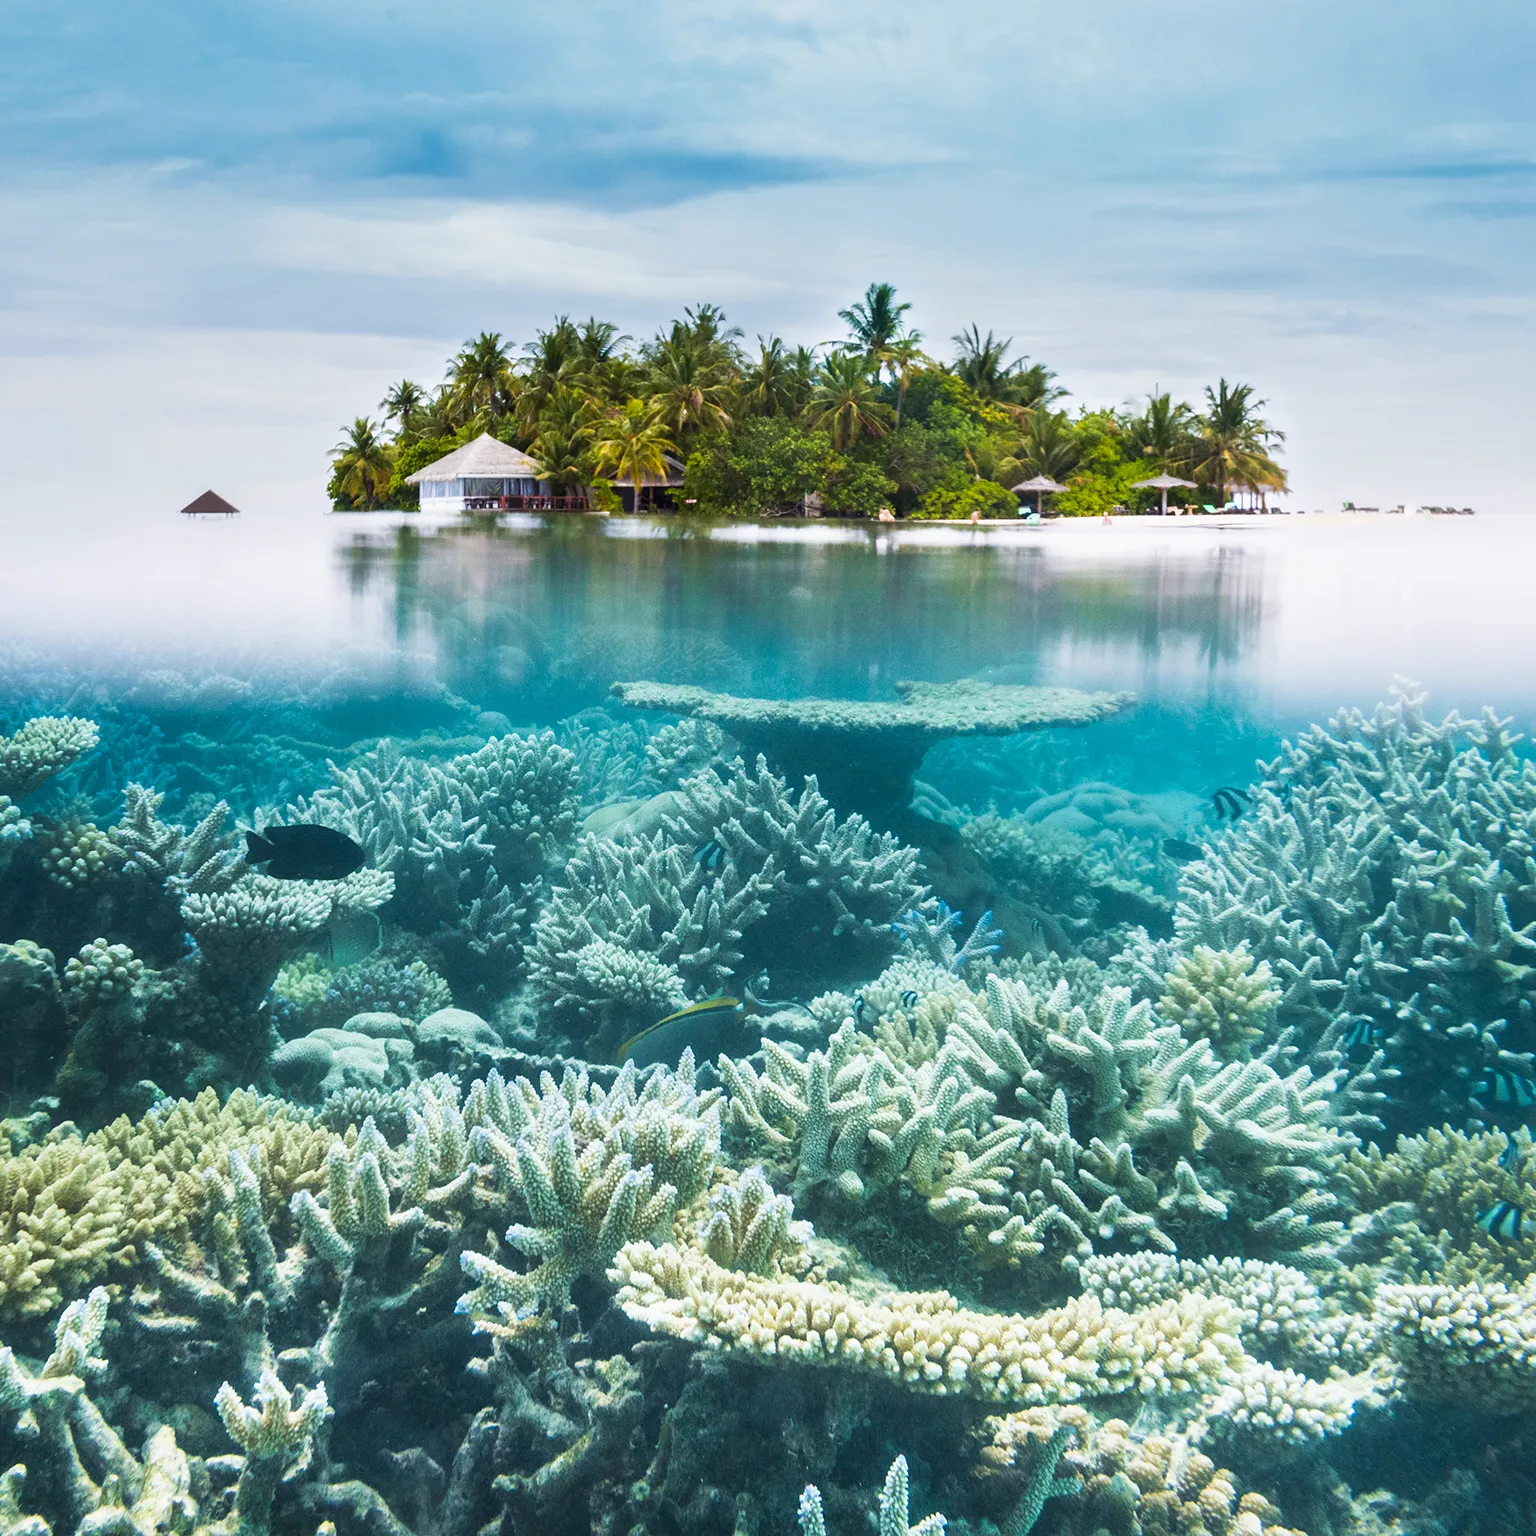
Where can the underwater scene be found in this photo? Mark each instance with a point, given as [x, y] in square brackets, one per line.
[708, 1031]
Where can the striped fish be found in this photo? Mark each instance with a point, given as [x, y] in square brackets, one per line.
[1510, 1156]
[1503, 1222]
[1361, 1036]
[710, 857]
[859, 1007]
[708, 1027]
[909, 999]
[1501, 1086]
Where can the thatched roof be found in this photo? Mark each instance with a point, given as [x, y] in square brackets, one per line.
[210, 501]
[487, 458]
[1038, 483]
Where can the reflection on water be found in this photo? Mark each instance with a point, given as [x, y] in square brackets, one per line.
[538, 621]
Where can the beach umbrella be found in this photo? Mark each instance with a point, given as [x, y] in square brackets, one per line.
[1163, 483]
[1039, 485]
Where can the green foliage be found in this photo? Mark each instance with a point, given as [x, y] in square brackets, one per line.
[427, 450]
[986, 497]
[1100, 488]
[767, 465]
[857, 487]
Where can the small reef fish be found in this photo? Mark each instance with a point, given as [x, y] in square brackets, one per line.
[711, 857]
[1180, 851]
[1504, 1087]
[709, 1027]
[1510, 1156]
[351, 938]
[1362, 1035]
[304, 852]
[859, 1007]
[1504, 1222]
[1230, 803]
[909, 999]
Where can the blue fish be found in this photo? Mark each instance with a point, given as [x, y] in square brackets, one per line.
[1510, 1156]
[708, 1027]
[909, 999]
[711, 857]
[1503, 1222]
[1501, 1086]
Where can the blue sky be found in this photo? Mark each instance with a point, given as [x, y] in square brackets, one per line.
[224, 229]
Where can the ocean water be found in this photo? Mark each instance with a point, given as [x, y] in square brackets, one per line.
[607, 1025]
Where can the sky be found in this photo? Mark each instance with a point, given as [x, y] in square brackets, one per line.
[225, 229]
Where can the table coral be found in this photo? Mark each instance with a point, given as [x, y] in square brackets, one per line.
[864, 754]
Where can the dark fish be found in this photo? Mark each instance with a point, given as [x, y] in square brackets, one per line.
[1180, 851]
[710, 857]
[304, 852]
[909, 999]
[1503, 1222]
[1362, 1035]
[1230, 803]
[1504, 1087]
[859, 1005]
[1510, 1156]
[708, 1027]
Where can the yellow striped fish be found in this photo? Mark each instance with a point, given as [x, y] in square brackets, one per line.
[709, 1027]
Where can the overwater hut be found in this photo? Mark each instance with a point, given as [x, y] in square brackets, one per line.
[488, 475]
[210, 504]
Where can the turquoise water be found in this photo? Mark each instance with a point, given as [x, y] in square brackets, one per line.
[592, 1109]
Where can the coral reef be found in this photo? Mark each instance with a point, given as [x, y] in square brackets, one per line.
[865, 755]
[1383, 877]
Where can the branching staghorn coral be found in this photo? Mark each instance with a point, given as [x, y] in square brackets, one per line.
[635, 927]
[588, 1170]
[893, 1509]
[276, 1432]
[40, 749]
[73, 1210]
[467, 840]
[1387, 877]
[1221, 996]
[1172, 1146]
[204, 859]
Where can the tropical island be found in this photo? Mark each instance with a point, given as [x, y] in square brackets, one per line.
[868, 425]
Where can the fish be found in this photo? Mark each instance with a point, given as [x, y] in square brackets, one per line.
[1230, 802]
[909, 999]
[1510, 1156]
[1180, 851]
[1501, 1086]
[1503, 1222]
[710, 857]
[304, 852]
[708, 1027]
[859, 1007]
[351, 937]
[1362, 1035]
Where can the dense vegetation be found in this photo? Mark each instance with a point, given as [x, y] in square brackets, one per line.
[852, 427]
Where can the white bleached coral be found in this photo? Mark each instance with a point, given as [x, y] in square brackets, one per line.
[40, 749]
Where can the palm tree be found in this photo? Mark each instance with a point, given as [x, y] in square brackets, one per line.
[401, 403]
[996, 458]
[1232, 442]
[688, 384]
[632, 446]
[363, 465]
[904, 356]
[875, 320]
[768, 386]
[984, 365]
[563, 443]
[1049, 446]
[481, 384]
[1163, 432]
[846, 400]
[435, 417]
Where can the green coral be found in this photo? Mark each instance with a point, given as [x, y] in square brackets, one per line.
[1222, 996]
[40, 749]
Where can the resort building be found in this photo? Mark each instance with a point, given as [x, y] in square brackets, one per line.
[488, 475]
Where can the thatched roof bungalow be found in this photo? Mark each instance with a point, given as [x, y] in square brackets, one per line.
[487, 475]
